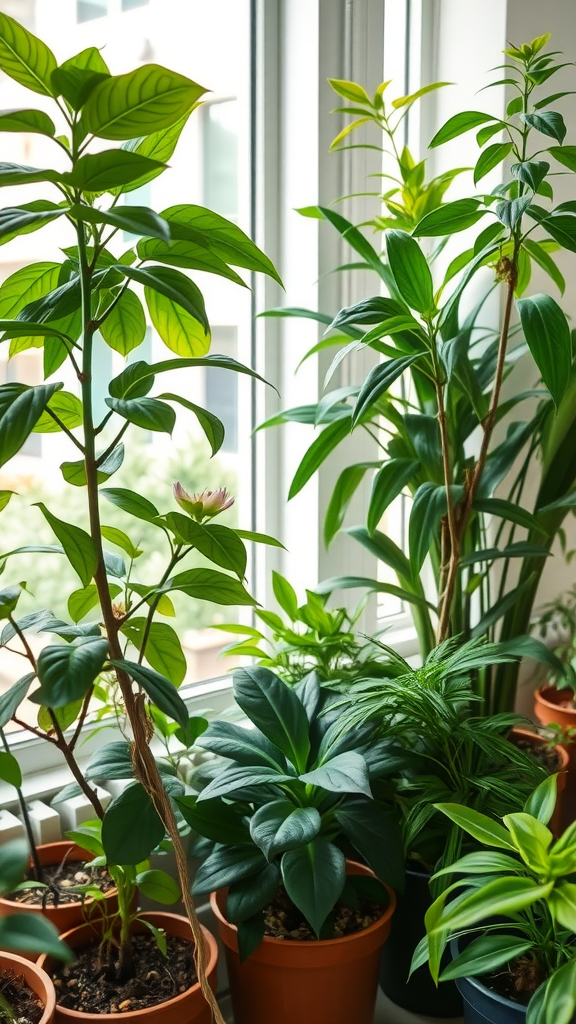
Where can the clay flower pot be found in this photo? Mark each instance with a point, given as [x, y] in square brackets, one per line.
[552, 705]
[188, 1007]
[556, 822]
[66, 915]
[285, 981]
[35, 978]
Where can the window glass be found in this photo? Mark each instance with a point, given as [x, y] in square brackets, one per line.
[210, 167]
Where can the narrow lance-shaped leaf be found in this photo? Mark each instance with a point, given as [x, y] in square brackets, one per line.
[548, 337]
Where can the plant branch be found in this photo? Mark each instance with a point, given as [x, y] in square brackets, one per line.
[64, 428]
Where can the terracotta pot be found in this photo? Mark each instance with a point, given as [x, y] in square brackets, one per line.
[557, 706]
[189, 1007]
[67, 915]
[556, 823]
[35, 978]
[289, 982]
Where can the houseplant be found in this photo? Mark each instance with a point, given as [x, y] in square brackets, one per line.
[309, 638]
[454, 368]
[514, 909]
[61, 306]
[138, 954]
[554, 701]
[293, 793]
[438, 750]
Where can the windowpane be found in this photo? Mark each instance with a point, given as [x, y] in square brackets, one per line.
[88, 10]
[221, 158]
[127, 5]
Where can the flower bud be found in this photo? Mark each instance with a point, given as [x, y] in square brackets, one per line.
[203, 505]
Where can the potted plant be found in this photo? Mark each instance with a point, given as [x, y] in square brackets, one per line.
[467, 510]
[111, 134]
[25, 987]
[554, 702]
[438, 750]
[509, 917]
[311, 638]
[301, 927]
[128, 961]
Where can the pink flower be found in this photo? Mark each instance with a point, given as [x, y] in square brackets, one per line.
[204, 505]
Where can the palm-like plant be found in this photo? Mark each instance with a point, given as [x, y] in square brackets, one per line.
[453, 368]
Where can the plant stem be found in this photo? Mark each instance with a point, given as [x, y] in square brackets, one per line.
[36, 865]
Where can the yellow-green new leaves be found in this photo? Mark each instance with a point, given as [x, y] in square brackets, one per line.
[24, 57]
[139, 103]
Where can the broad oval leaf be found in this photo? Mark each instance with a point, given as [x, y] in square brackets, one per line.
[490, 158]
[143, 101]
[182, 333]
[457, 125]
[314, 877]
[24, 57]
[100, 172]
[548, 122]
[245, 746]
[35, 121]
[226, 866]
[449, 219]
[215, 819]
[275, 709]
[411, 271]
[280, 825]
[160, 690]
[344, 773]
[67, 671]
[19, 416]
[131, 827]
[163, 650]
[147, 413]
[78, 545]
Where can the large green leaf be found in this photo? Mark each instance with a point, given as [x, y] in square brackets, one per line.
[161, 691]
[375, 833]
[485, 955]
[16, 220]
[223, 237]
[11, 700]
[26, 121]
[314, 877]
[274, 708]
[411, 271]
[503, 896]
[490, 158]
[131, 827]
[188, 255]
[124, 329]
[130, 502]
[251, 895]
[163, 650]
[209, 585]
[346, 486]
[230, 780]
[24, 57]
[548, 337]
[100, 172]
[67, 671]
[449, 219]
[218, 543]
[458, 124]
[20, 411]
[479, 826]
[430, 504]
[26, 285]
[211, 425]
[245, 746]
[67, 407]
[507, 510]
[388, 483]
[378, 381]
[226, 866]
[215, 819]
[549, 122]
[76, 78]
[143, 101]
[172, 285]
[129, 383]
[78, 546]
[280, 825]
[32, 934]
[319, 450]
[344, 773]
[542, 802]
[158, 146]
[138, 220]
[147, 413]
[555, 1001]
[181, 332]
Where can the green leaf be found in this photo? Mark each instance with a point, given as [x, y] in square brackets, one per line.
[344, 773]
[507, 510]
[479, 826]
[159, 146]
[490, 158]
[77, 77]
[147, 413]
[121, 540]
[388, 483]
[279, 826]
[10, 701]
[500, 607]
[377, 383]
[163, 649]
[131, 827]
[75, 472]
[285, 595]
[209, 585]
[429, 505]
[376, 835]
[19, 220]
[14, 857]
[548, 337]
[274, 708]
[82, 601]
[10, 769]
[350, 91]
[32, 933]
[172, 285]
[78, 546]
[8, 600]
[344, 490]
[161, 691]
[565, 155]
[319, 451]
[555, 1001]
[131, 380]
[182, 333]
[314, 877]
[35, 121]
[67, 407]
[541, 803]
[449, 219]
[549, 122]
[218, 543]
[503, 896]
[531, 172]
[486, 862]
[65, 716]
[484, 955]
[247, 747]
[252, 895]
[544, 260]
[221, 236]
[143, 101]
[24, 57]
[211, 425]
[188, 255]
[459, 124]
[562, 903]
[216, 820]
[133, 504]
[67, 671]
[227, 865]
[411, 271]
[404, 101]
[137, 220]
[20, 411]
[100, 172]
[158, 886]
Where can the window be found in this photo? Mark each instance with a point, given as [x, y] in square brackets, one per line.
[128, 5]
[220, 166]
[88, 10]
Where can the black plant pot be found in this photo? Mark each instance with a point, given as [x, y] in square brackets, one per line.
[483, 1006]
[419, 994]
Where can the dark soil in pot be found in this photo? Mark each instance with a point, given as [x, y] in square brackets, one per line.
[284, 921]
[27, 1007]
[419, 994]
[91, 986]
[59, 878]
[544, 755]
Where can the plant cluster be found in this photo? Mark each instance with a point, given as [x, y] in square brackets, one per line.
[514, 906]
[453, 368]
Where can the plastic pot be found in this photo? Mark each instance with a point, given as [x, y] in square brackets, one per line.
[35, 978]
[557, 820]
[419, 993]
[188, 1007]
[285, 981]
